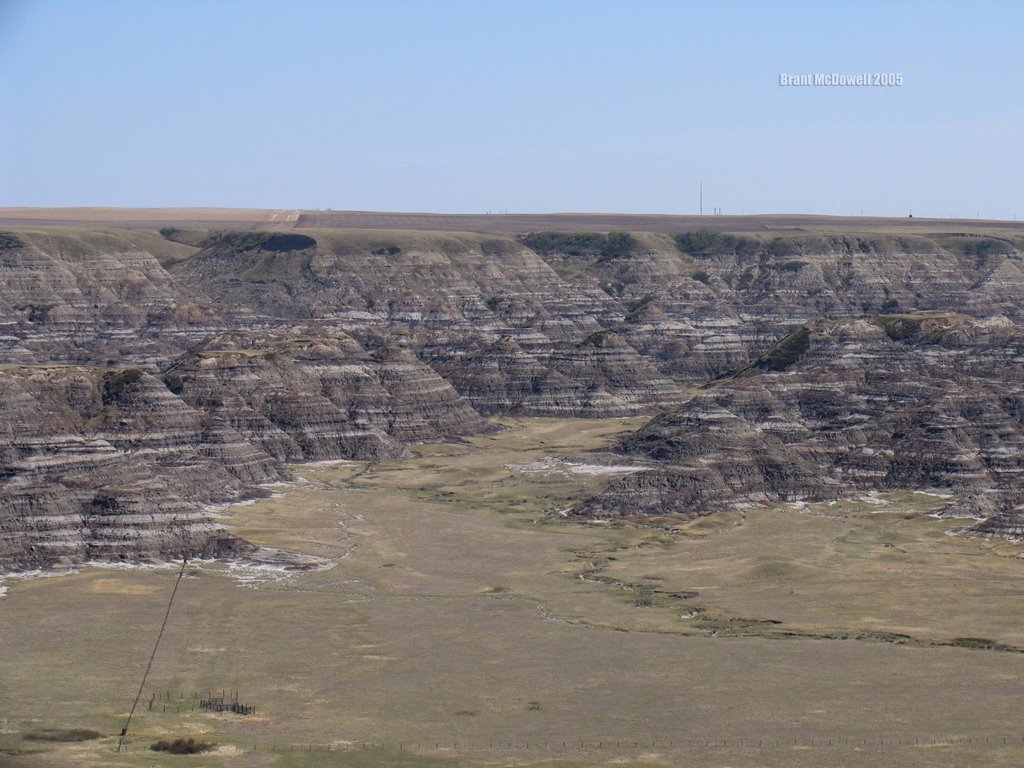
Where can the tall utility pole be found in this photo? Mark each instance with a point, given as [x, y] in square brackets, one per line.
[701, 196]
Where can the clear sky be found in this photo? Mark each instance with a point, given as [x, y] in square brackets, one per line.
[561, 105]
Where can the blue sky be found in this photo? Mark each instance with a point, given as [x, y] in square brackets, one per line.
[518, 106]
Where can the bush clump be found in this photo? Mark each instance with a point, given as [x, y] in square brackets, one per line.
[175, 383]
[618, 244]
[700, 240]
[614, 245]
[569, 243]
[792, 266]
[224, 243]
[115, 382]
[37, 313]
[701, 277]
[187, 746]
[982, 643]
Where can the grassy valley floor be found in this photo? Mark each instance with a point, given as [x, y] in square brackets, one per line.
[466, 622]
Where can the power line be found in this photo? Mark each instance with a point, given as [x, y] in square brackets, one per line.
[142, 685]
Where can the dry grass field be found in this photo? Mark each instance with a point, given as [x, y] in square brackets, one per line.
[242, 218]
[465, 622]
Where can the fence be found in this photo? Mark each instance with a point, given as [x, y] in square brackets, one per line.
[228, 702]
[877, 743]
[225, 701]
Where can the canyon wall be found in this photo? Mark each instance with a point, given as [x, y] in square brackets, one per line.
[147, 374]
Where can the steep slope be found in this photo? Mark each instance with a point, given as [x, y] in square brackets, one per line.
[924, 401]
[320, 395]
[145, 454]
[456, 302]
[148, 374]
[98, 464]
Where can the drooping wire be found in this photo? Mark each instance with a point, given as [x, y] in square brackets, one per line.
[142, 685]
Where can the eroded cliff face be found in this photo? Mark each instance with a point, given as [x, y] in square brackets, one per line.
[99, 463]
[108, 464]
[927, 401]
[91, 298]
[488, 314]
[320, 395]
[145, 375]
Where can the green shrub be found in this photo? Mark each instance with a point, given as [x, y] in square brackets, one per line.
[617, 245]
[899, 328]
[792, 266]
[227, 243]
[569, 243]
[598, 338]
[37, 313]
[187, 746]
[983, 644]
[115, 382]
[982, 248]
[781, 246]
[10, 240]
[700, 240]
[614, 245]
[175, 383]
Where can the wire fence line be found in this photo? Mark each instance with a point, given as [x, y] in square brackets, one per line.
[704, 743]
[174, 701]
